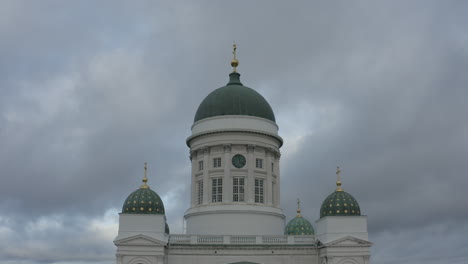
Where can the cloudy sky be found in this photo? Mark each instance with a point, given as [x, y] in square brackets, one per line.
[90, 90]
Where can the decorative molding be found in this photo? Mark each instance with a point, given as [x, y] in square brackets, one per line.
[250, 148]
[148, 241]
[260, 171]
[138, 260]
[206, 150]
[344, 242]
[270, 152]
[276, 137]
[277, 155]
[346, 260]
[227, 148]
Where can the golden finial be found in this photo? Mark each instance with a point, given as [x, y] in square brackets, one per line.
[298, 208]
[234, 61]
[338, 180]
[145, 178]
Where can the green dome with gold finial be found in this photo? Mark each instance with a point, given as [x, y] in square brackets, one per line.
[299, 225]
[143, 201]
[234, 99]
[339, 203]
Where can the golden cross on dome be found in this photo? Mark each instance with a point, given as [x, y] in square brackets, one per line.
[145, 178]
[234, 61]
[338, 179]
[298, 207]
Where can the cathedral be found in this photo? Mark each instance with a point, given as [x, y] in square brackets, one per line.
[235, 216]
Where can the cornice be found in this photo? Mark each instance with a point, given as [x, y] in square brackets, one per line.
[278, 138]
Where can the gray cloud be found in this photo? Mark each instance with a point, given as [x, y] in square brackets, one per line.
[90, 91]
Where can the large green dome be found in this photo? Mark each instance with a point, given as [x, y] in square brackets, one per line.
[299, 226]
[234, 99]
[339, 203]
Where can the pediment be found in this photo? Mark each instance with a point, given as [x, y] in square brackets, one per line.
[139, 240]
[348, 241]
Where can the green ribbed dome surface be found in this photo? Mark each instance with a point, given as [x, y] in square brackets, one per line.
[339, 203]
[234, 99]
[143, 201]
[299, 226]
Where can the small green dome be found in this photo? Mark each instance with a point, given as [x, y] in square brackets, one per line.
[339, 203]
[234, 99]
[299, 226]
[143, 201]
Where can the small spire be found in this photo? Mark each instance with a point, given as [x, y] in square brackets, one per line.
[234, 61]
[298, 208]
[338, 180]
[145, 178]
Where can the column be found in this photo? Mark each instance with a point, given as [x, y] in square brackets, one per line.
[227, 181]
[193, 159]
[250, 181]
[206, 179]
[278, 179]
[268, 184]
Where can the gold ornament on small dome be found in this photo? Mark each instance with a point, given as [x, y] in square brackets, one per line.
[234, 61]
[298, 208]
[145, 178]
[338, 180]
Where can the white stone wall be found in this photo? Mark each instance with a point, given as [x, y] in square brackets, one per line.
[227, 171]
[344, 240]
[331, 228]
[151, 225]
[234, 122]
[224, 137]
[235, 220]
[226, 255]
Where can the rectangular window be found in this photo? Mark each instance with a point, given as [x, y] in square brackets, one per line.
[259, 163]
[238, 189]
[217, 163]
[200, 165]
[272, 167]
[259, 190]
[200, 191]
[217, 190]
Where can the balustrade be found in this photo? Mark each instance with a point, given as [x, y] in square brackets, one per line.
[239, 240]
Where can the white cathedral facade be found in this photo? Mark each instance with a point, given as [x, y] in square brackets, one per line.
[235, 215]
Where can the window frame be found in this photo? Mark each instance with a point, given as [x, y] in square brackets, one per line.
[238, 189]
[200, 191]
[217, 162]
[259, 163]
[259, 190]
[216, 190]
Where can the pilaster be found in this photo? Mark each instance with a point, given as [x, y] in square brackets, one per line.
[268, 182]
[206, 166]
[250, 174]
[227, 184]
[193, 191]
[278, 180]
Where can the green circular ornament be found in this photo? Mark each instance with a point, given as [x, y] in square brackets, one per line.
[238, 161]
